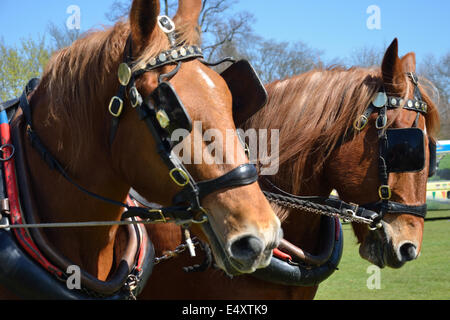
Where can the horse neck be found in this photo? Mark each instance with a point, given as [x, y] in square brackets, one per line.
[59, 201]
[301, 227]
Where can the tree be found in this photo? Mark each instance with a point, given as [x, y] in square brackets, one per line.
[19, 64]
[218, 24]
[367, 56]
[437, 70]
[62, 37]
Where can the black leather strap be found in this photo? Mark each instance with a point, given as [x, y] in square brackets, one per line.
[396, 207]
[9, 104]
[243, 175]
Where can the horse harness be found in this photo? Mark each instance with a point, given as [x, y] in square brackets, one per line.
[400, 150]
[163, 112]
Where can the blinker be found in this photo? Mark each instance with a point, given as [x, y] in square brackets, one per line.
[248, 92]
[405, 150]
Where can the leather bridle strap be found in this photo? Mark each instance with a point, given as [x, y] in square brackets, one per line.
[240, 176]
[382, 102]
[175, 213]
[396, 207]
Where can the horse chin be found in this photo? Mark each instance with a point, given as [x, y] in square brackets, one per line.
[222, 260]
[378, 249]
[372, 249]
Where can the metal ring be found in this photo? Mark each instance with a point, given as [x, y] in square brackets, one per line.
[119, 110]
[200, 216]
[182, 173]
[13, 151]
[357, 124]
[381, 193]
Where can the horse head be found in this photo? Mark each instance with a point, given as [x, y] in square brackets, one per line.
[390, 161]
[242, 227]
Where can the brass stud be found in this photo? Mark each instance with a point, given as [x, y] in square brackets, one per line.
[162, 57]
[163, 119]
[380, 100]
[174, 54]
[124, 74]
[152, 62]
[183, 52]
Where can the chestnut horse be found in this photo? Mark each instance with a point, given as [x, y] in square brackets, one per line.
[313, 111]
[71, 118]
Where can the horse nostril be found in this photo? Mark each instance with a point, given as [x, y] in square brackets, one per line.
[246, 249]
[408, 251]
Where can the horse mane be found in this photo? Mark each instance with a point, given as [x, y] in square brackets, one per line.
[76, 76]
[314, 110]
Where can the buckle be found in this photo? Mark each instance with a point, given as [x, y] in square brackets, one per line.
[413, 77]
[166, 24]
[381, 122]
[158, 211]
[360, 123]
[200, 216]
[182, 173]
[135, 97]
[384, 192]
[119, 107]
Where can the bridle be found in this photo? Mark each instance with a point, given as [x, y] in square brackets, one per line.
[381, 103]
[371, 213]
[162, 111]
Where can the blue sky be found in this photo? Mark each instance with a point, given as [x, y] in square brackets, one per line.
[335, 27]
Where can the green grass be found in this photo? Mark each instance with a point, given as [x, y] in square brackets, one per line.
[426, 278]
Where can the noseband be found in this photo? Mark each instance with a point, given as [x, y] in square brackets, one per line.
[162, 112]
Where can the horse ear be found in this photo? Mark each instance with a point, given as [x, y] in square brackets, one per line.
[391, 69]
[143, 19]
[188, 12]
[409, 62]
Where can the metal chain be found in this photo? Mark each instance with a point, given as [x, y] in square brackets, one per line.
[174, 253]
[312, 207]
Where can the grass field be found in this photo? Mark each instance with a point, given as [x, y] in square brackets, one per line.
[426, 278]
